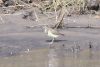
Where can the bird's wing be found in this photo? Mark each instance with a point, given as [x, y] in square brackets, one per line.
[55, 32]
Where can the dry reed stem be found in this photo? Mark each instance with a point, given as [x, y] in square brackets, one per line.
[60, 16]
[35, 15]
[1, 19]
[57, 24]
[55, 7]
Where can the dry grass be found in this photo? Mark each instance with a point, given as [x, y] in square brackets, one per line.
[60, 7]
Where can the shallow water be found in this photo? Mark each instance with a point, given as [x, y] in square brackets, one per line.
[52, 57]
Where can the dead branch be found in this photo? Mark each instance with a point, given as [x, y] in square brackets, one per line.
[60, 16]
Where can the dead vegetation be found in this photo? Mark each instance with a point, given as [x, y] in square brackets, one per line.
[1, 1]
[60, 7]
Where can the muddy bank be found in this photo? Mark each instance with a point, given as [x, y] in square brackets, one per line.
[28, 47]
[15, 36]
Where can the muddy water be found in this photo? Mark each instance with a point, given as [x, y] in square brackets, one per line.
[52, 57]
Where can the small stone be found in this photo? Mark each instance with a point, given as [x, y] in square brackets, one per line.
[74, 21]
[68, 15]
[63, 45]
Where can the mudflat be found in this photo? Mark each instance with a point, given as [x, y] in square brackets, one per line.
[16, 40]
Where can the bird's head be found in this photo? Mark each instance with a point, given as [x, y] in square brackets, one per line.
[46, 28]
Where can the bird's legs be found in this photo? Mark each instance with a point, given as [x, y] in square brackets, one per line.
[52, 41]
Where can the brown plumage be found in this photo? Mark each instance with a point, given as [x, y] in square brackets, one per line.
[52, 33]
[55, 32]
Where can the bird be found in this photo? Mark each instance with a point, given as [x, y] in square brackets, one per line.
[52, 33]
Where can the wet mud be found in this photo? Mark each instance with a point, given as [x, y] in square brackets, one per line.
[29, 47]
[52, 57]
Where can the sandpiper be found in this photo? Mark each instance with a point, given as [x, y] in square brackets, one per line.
[52, 33]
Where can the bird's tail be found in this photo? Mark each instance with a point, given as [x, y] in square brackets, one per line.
[63, 34]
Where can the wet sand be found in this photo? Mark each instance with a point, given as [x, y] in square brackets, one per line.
[29, 47]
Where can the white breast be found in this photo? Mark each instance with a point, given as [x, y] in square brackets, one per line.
[52, 35]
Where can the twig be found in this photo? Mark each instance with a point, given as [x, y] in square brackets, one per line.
[63, 13]
[35, 14]
[1, 19]
[60, 21]
[55, 7]
[59, 16]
